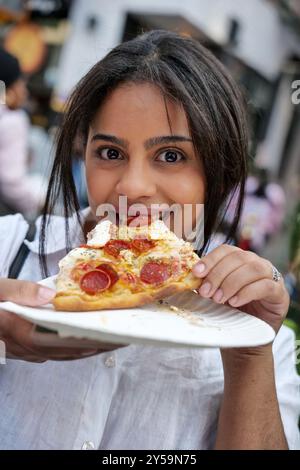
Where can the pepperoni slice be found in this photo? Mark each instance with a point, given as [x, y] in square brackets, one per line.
[155, 273]
[141, 245]
[108, 269]
[95, 281]
[113, 247]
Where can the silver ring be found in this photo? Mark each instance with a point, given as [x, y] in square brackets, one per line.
[276, 274]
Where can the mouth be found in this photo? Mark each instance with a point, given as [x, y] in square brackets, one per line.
[144, 218]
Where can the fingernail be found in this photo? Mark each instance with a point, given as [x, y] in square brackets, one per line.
[233, 301]
[45, 294]
[199, 269]
[204, 290]
[218, 295]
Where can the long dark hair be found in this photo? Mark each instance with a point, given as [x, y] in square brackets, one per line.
[186, 72]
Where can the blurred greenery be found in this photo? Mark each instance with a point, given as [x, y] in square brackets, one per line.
[295, 244]
[293, 320]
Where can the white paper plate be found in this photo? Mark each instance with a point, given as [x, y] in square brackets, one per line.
[197, 323]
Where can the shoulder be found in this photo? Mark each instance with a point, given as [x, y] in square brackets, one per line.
[13, 229]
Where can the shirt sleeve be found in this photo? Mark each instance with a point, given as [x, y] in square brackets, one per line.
[16, 185]
[13, 229]
[287, 384]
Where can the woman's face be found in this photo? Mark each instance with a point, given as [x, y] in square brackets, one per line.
[136, 149]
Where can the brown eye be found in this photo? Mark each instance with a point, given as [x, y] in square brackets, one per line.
[109, 154]
[170, 156]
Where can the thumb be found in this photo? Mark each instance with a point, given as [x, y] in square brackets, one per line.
[25, 292]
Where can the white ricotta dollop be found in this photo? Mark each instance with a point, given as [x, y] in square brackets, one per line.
[101, 234]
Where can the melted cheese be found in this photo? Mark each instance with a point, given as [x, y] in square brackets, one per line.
[128, 256]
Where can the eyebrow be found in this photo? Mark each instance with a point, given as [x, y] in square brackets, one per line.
[149, 143]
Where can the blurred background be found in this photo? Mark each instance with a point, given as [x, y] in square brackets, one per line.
[57, 41]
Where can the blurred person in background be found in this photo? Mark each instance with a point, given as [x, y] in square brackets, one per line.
[19, 190]
[263, 212]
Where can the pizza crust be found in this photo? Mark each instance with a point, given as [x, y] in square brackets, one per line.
[81, 302]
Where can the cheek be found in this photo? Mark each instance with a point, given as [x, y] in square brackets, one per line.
[188, 189]
[99, 186]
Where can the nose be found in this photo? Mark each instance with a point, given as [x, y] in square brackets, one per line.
[136, 182]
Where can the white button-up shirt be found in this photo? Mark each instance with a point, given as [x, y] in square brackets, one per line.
[137, 397]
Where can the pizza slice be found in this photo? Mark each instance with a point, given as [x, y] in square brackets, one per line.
[123, 266]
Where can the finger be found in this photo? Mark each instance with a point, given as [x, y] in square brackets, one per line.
[54, 340]
[257, 291]
[62, 354]
[203, 267]
[17, 332]
[24, 292]
[15, 351]
[75, 353]
[28, 358]
[69, 358]
[246, 274]
[22, 333]
[221, 270]
[70, 355]
[16, 329]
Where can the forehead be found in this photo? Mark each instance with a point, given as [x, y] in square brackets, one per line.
[140, 110]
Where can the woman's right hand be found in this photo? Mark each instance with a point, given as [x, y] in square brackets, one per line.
[19, 336]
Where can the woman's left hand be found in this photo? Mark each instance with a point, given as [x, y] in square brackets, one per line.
[243, 280]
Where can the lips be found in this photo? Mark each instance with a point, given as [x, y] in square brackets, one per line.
[144, 218]
[148, 217]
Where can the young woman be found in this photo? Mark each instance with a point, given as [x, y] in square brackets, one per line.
[162, 123]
